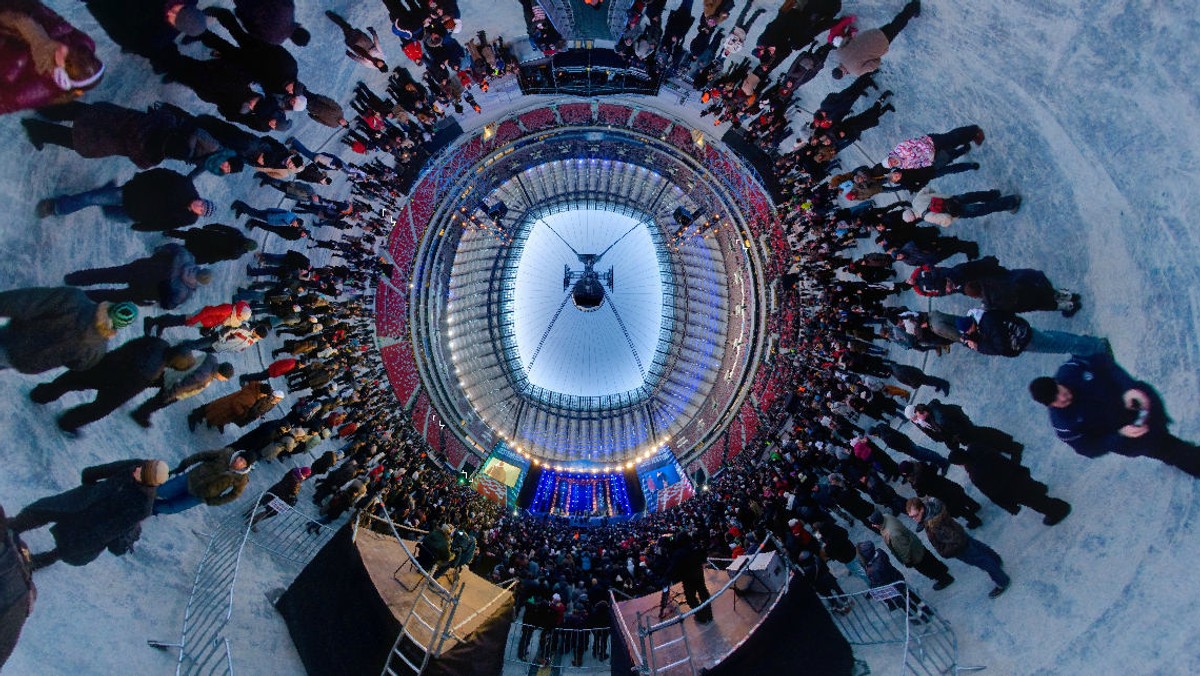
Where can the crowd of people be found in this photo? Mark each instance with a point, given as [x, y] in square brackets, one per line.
[824, 484]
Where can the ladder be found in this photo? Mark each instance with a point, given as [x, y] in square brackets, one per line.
[648, 635]
[424, 629]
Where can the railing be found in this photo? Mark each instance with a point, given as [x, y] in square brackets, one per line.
[649, 663]
[427, 626]
[533, 645]
[869, 617]
[618, 17]
[270, 524]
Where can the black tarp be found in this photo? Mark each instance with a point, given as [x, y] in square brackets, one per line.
[340, 623]
[798, 637]
[337, 619]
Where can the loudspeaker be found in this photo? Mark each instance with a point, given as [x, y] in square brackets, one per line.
[764, 573]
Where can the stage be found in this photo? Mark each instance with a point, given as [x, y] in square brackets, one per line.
[345, 609]
[769, 632]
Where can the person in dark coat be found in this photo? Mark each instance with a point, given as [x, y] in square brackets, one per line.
[214, 242]
[898, 441]
[994, 332]
[881, 573]
[326, 111]
[687, 566]
[286, 489]
[950, 424]
[1008, 483]
[229, 87]
[908, 550]
[1096, 407]
[951, 541]
[169, 277]
[145, 137]
[915, 377]
[434, 548]
[148, 28]
[271, 21]
[339, 476]
[180, 385]
[117, 378]
[1021, 290]
[59, 326]
[270, 65]
[102, 130]
[105, 512]
[158, 199]
[17, 591]
[926, 482]
[326, 462]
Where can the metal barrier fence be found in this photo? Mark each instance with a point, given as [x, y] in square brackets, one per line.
[271, 524]
[537, 646]
[872, 617]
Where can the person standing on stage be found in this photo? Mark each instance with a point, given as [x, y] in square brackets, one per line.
[687, 566]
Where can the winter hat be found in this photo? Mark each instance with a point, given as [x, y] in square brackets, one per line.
[964, 324]
[908, 215]
[866, 549]
[154, 473]
[910, 411]
[122, 314]
[876, 518]
[302, 472]
[556, 597]
[793, 522]
[207, 208]
[241, 310]
[278, 394]
[299, 102]
[837, 42]
[358, 147]
[190, 21]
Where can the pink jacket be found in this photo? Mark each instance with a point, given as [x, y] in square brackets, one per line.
[914, 153]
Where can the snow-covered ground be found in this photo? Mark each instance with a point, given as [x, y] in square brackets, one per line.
[1091, 111]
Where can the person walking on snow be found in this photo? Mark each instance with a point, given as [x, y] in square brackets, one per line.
[180, 385]
[859, 53]
[213, 478]
[50, 328]
[934, 150]
[209, 318]
[168, 277]
[117, 378]
[105, 512]
[158, 199]
[936, 209]
[1096, 407]
[952, 541]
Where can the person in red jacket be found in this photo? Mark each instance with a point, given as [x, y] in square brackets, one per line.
[276, 369]
[210, 318]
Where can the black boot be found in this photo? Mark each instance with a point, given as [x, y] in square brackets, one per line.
[44, 559]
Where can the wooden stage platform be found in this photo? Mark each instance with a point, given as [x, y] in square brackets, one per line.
[345, 610]
[736, 616]
[766, 632]
[382, 555]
